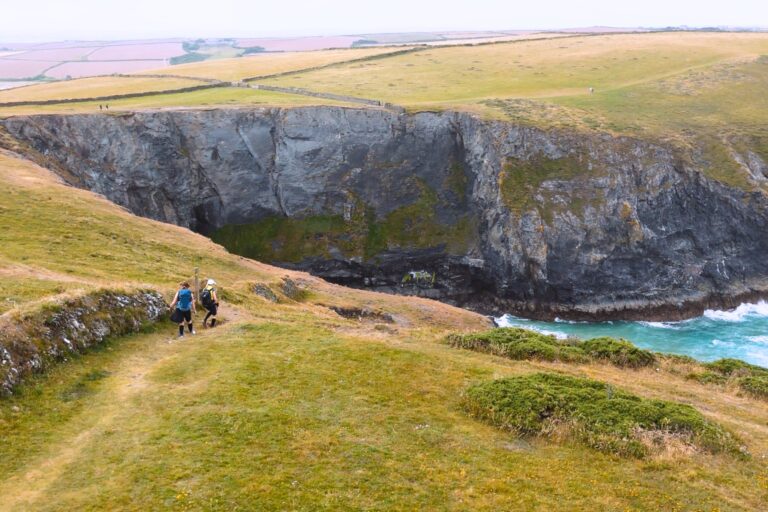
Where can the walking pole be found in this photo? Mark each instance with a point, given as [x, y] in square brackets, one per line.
[197, 284]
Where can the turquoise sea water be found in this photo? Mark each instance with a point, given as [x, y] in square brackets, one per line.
[741, 333]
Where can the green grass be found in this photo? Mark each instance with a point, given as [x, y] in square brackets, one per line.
[220, 96]
[18, 289]
[596, 414]
[520, 344]
[533, 69]
[297, 416]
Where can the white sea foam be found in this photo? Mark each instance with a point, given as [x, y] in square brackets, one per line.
[721, 343]
[559, 320]
[660, 325]
[511, 321]
[759, 357]
[763, 340]
[738, 314]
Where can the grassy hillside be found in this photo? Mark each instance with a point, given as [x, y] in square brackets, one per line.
[290, 405]
[550, 68]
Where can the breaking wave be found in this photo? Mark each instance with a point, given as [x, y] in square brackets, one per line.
[740, 333]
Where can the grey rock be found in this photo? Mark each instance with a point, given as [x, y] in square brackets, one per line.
[639, 232]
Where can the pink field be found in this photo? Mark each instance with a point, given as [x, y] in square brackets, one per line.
[81, 69]
[21, 68]
[53, 55]
[138, 52]
[299, 43]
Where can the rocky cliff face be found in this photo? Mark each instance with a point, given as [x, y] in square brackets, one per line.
[499, 217]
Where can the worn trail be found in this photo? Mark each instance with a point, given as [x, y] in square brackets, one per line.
[103, 413]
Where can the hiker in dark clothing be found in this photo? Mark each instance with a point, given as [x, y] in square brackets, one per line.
[210, 301]
[184, 301]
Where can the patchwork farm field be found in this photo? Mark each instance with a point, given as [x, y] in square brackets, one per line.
[271, 63]
[92, 87]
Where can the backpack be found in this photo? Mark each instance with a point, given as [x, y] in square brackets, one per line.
[205, 297]
[185, 300]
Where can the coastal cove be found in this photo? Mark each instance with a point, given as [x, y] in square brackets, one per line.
[741, 333]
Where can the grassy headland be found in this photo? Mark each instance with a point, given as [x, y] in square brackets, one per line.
[289, 404]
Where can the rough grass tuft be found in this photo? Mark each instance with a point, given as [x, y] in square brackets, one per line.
[596, 414]
[517, 343]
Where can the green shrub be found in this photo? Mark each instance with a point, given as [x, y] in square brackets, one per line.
[619, 352]
[735, 367]
[755, 385]
[517, 343]
[708, 378]
[594, 413]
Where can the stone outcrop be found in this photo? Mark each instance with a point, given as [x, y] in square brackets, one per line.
[35, 340]
[489, 215]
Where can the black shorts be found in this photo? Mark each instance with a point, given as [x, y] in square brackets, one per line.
[212, 308]
[183, 315]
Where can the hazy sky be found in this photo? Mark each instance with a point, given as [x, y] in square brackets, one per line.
[45, 20]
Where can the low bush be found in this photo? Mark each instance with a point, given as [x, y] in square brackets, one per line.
[596, 414]
[516, 343]
[708, 378]
[749, 378]
[735, 367]
[618, 352]
[756, 386]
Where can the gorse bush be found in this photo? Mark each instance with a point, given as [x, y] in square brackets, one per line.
[749, 378]
[618, 352]
[734, 367]
[596, 414]
[516, 343]
[755, 385]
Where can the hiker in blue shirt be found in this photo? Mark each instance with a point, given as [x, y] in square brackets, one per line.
[184, 301]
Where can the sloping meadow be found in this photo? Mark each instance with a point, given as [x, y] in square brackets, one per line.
[567, 408]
